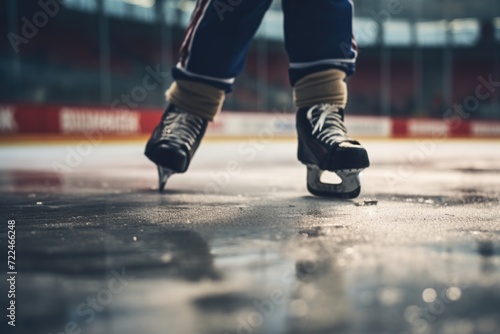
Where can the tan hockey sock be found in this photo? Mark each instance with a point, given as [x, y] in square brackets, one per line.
[321, 87]
[196, 98]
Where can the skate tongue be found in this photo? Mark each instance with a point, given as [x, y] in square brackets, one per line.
[319, 114]
[329, 108]
[327, 123]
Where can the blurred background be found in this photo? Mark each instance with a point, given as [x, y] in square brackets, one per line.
[417, 58]
[418, 252]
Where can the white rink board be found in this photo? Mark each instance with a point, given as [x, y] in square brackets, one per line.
[283, 125]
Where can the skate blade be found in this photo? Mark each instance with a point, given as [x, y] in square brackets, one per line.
[164, 174]
[349, 187]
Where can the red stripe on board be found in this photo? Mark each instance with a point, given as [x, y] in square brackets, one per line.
[460, 129]
[26, 118]
[399, 128]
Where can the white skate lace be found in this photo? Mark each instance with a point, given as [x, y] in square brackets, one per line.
[329, 115]
[181, 128]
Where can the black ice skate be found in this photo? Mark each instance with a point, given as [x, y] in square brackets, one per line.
[324, 145]
[174, 142]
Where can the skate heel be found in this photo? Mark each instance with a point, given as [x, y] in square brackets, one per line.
[305, 155]
[350, 187]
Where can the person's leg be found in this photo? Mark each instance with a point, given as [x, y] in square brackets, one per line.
[212, 55]
[319, 40]
[322, 52]
[319, 36]
[217, 40]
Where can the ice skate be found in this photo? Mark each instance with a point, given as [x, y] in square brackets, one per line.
[325, 146]
[174, 142]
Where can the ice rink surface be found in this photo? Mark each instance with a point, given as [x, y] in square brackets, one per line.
[237, 245]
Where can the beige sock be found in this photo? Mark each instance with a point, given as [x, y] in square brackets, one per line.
[321, 87]
[196, 98]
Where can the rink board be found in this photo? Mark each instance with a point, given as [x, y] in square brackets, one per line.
[75, 120]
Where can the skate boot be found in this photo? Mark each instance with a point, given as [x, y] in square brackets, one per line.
[324, 145]
[174, 142]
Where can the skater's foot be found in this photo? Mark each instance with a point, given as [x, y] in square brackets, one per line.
[323, 140]
[174, 142]
[324, 145]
